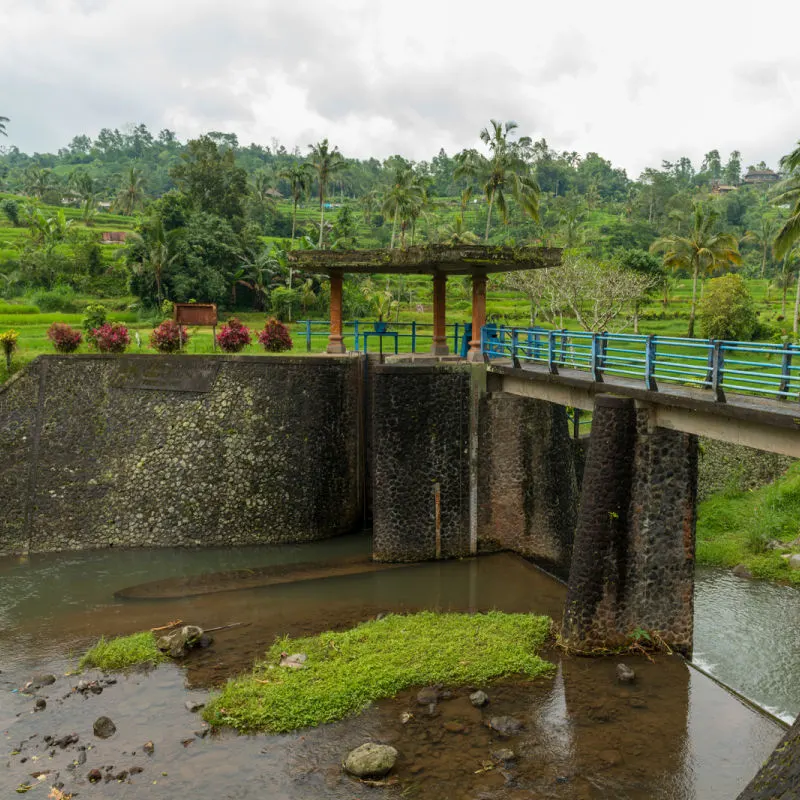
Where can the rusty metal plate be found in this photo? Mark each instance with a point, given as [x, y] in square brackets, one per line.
[195, 313]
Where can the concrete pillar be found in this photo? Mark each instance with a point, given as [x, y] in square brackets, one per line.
[335, 338]
[439, 344]
[633, 553]
[478, 317]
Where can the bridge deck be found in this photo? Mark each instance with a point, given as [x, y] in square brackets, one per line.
[759, 422]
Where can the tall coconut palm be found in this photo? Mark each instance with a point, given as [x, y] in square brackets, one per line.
[326, 162]
[702, 251]
[299, 178]
[763, 235]
[131, 193]
[38, 181]
[504, 172]
[402, 198]
[3, 121]
[788, 193]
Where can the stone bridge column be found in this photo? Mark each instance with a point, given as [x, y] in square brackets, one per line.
[633, 555]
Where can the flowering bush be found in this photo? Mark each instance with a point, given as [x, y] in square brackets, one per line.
[169, 337]
[275, 336]
[64, 338]
[111, 337]
[8, 344]
[233, 336]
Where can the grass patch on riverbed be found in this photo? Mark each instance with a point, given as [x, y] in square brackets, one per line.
[123, 652]
[345, 672]
[736, 528]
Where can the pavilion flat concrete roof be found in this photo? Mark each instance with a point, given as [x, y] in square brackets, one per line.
[429, 260]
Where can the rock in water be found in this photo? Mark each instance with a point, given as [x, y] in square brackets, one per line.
[149, 748]
[479, 698]
[506, 726]
[43, 679]
[428, 695]
[625, 674]
[371, 760]
[194, 706]
[104, 728]
[741, 571]
[504, 754]
[178, 642]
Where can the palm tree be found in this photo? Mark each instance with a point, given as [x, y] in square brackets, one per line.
[38, 181]
[368, 203]
[326, 163]
[763, 236]
[130, 195]
[154, 249]
[702, 251]
[402, 199]
[3, 121]
[504, 171]
[788, 193]
[456, 233]
[299, 179]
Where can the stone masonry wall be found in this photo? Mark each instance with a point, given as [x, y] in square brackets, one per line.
[216, 451]
[527, 485]
[420, 441]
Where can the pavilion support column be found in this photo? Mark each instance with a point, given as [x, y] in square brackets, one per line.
[335, 339]
[439, 345]
[478, 317]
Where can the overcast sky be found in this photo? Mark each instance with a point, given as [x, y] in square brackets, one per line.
[637, 82]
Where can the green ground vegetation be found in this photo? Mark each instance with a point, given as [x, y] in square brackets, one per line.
[735, 527]
[123, 652]
[347, 671]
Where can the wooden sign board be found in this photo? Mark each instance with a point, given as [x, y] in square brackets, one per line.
[195, 314]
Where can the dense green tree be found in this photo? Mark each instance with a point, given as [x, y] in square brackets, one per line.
[326, 162]
[701, 251]
[153, 250]
[733, 169]
[298, 177]
[727, 310]
[401, 198]
[212, 181]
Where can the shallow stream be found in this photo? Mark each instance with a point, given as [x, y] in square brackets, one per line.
[673, 734]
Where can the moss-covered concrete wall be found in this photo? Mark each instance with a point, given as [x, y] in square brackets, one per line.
[126, 451]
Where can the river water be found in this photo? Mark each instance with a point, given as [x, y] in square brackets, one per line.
[674, 734]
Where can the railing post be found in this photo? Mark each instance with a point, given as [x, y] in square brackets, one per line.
[413, 336]
[456, 343]
[563, 346]
[484, 346]
[551, 355]
[576, 423]
[308, 335]
[717, 366]
[355, 333]
[514, 345]
[786, 364]
[650, 364]
[596, 357]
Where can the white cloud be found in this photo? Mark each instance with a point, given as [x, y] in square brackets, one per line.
[636, 82]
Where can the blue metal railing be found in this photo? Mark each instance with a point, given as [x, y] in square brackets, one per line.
[413, 336]
[753, 368]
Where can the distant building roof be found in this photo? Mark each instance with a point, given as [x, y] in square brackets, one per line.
[761, 176]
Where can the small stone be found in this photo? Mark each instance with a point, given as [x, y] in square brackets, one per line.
[611, 757]
[194, 706]
[454, 726]
[479, 698]
[136, 770]
[201, 733]
[43, 679]
[741, 571]
[294, 661]
[121, 776]
[506, 726]
[428, 695]
[104, 728]
[625, 674]
[94, 776]
[794, 562]
[149, 748]
[504, 755]
[371, 760]
[40, 704]
[406, 717]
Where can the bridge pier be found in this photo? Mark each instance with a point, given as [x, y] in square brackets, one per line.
[633, 554]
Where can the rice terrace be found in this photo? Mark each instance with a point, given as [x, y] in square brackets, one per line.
[443, 456]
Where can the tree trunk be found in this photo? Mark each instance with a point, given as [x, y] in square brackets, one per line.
[489, 217]
[665, 301]
[394, 226]
[294, 219]
[763, 260]
[694, 302]
[783, 301]
[796, 307]
[636, 318]
[321, 215]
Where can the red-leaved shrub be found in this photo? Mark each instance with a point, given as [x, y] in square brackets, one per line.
[111, 337]
[275, 336]
[233, 336]
[169, 337]
[64, 338]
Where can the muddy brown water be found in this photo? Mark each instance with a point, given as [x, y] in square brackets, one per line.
[673, 734]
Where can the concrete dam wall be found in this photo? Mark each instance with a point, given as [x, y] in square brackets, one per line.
[100, 451]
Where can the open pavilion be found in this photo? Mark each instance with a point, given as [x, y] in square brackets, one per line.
[438, 261]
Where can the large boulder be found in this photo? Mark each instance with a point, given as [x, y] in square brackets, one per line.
[371, 760]
[177, 643]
